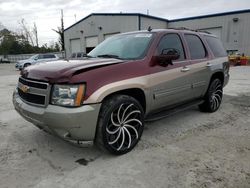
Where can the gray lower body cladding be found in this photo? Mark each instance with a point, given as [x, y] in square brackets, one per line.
[77, 124]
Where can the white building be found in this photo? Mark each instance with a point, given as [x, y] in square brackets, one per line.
[84, 35]
[232, 27]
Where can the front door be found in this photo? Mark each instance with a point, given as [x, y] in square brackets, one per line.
[170, 85]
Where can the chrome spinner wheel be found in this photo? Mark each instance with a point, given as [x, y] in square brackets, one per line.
[124, 127]
[215, 94]
[213, 97]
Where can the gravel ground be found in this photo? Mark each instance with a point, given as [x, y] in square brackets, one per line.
[189, 149]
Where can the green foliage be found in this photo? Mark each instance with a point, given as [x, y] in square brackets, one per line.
[12, 43]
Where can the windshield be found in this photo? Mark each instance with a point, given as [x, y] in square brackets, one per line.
[129, 46]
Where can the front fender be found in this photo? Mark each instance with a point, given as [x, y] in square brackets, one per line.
[104, 91]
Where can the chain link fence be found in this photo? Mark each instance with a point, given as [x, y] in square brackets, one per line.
[13, 58]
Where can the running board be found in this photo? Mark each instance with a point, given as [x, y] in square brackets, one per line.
[169, 112]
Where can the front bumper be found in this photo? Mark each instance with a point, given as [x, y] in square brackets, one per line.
[73, 124]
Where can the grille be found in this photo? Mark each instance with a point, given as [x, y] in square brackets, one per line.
[36, 99]
[37, 93]
[33, 84]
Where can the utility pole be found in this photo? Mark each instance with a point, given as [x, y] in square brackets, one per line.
[62, 30]
[35, 33]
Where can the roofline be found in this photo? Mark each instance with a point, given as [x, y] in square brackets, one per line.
[117, 14]
[211, 15]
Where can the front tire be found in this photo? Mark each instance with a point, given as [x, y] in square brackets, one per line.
[26, 65]
[120, 124]
[213, 97]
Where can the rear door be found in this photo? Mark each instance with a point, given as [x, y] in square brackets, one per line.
[199, 68]
[170, 85]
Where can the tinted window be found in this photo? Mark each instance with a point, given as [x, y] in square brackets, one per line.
[48, 56]
[216, 46]
[171, 41]
[196, 47]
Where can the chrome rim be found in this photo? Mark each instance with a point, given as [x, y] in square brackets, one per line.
[216, 95]
[125, 127]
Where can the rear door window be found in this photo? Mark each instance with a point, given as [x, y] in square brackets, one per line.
[172, 40]
[196, 47]
[48, 56]
[40, 56]
[216, 46]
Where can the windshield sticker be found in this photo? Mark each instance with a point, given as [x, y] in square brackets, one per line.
[144, 35]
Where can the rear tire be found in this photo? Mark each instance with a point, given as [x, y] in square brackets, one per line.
[120, 124]
[213, 97]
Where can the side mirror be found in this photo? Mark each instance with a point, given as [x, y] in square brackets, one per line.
[167, 56]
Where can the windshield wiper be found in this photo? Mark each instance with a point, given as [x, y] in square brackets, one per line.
[109, 56]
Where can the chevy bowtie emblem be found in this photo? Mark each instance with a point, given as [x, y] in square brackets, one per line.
[25, 88]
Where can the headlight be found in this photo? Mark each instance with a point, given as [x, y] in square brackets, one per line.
[68, 95]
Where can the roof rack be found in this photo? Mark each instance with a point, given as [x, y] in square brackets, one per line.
[184, 28]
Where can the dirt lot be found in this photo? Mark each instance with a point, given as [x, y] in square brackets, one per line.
[190, 149]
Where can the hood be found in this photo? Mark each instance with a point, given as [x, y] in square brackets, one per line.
[23, 61]
[63, 70]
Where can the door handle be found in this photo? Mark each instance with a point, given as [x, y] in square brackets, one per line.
[208, 64]
[185, 69]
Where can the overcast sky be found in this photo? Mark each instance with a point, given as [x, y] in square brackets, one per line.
[46, 13]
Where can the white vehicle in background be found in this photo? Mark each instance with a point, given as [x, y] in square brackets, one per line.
[78, 55]
[39, 58]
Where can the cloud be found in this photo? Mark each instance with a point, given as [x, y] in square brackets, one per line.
[46, 13]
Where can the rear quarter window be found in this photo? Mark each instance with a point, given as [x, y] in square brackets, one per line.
[216, 46]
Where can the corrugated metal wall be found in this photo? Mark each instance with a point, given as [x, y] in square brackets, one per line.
[234, 34]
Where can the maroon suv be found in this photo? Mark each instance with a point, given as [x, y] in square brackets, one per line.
[125, 80]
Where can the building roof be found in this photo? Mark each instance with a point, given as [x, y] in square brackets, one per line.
[117, 14]
[211, 15]
[161, 19]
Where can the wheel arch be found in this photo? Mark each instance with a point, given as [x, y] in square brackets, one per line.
[136, 93]
[218, 74]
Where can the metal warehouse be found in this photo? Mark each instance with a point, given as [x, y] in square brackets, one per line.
[232, 28]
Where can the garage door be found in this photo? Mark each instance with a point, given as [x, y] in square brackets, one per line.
[215, 31]
[91, 42]
[75, 45]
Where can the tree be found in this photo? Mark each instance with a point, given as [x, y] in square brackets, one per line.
[30, 35]
[13, 43]
[60, 32]
[24, 41]
[26, 32]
